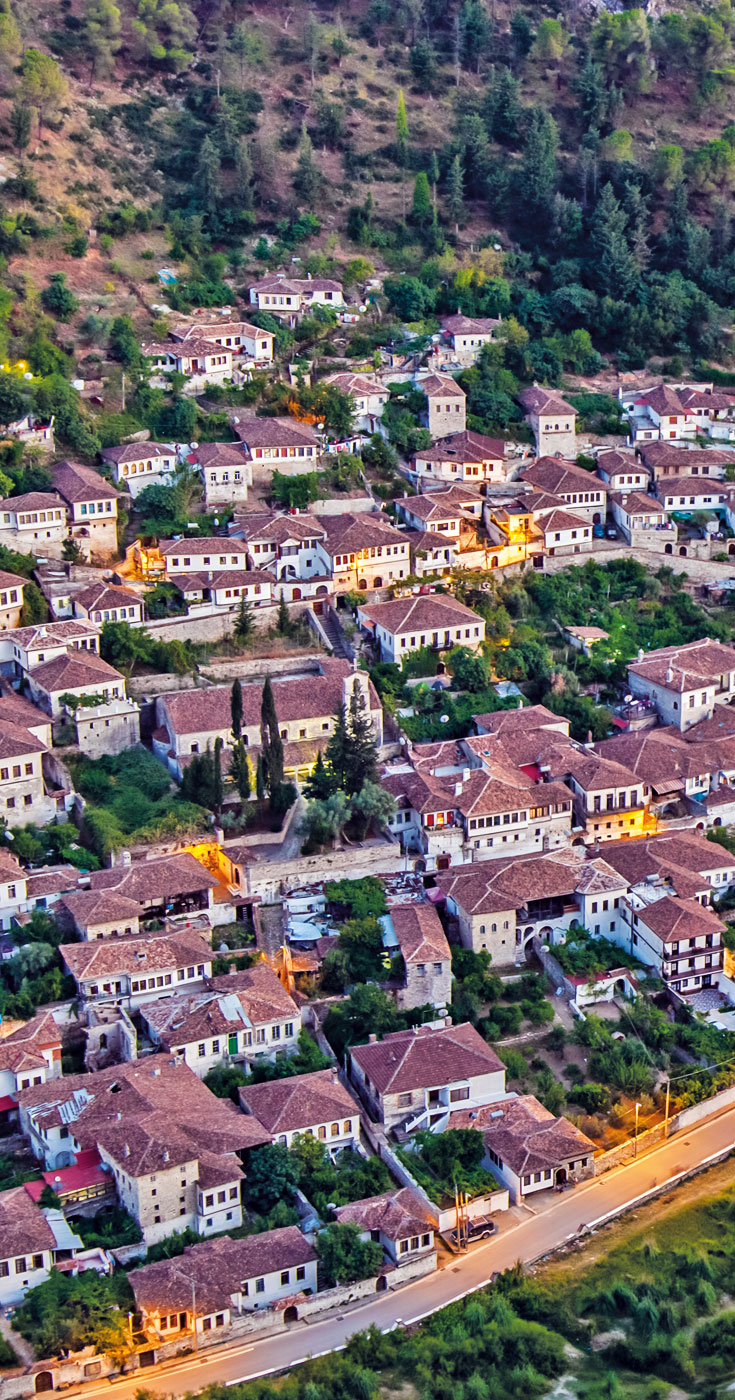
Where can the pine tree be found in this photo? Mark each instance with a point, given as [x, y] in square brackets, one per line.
[362, 747]
[538, 172]
[614, 268]
[270, 740]
[307, 179]
[455, 192]
[402, 134]
[433, 177]
[240, 770]
[20, 126]
[236, 709]
[244, 622]
[422, 211]
[207, 177]
[283, 623]
[218, 792]
[320, 784]
[337, 748]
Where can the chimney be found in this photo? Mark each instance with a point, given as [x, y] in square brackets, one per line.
[457, 789]
[166, 1154]
[126, 1151]
[335, 1074]
[372, 1038]
[447, 1021]
[465, 775]
[669, 675]
[640, 653]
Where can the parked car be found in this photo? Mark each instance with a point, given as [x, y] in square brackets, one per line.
[598, 532]
[611, 532]
[481, 1228]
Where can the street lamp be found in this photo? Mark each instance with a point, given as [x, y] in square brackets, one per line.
[635, 1140]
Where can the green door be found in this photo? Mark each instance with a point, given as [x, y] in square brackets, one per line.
[232, 1045]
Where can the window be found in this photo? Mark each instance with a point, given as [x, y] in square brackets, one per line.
[201, 1050]
[285, 1277]
[457, 1095]
[260, 1285]
[405, 1100]
[300, 1273]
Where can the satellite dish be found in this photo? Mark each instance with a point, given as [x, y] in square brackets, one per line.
[628, 699]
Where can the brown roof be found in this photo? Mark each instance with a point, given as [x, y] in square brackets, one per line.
[661, 757]
[15, 709]
[221, 454]
[293, 1105]
[104, 595]
[89, 908]
[351, 383]
[70, 630]
[558, 519]
[637, 502]
[138, 451]
[692, 665]
[670, 854]
[512, 882]
[690, 486]
[672, 454]
[540, 400]
[525, 1136]
[33, 500]
[146, 880]
[258, 998]
[663, 400]
[11, 580]
[562, 478]
[24, 1228]
[78, 483]
[111, 957]
[16, 741]
[431, 507]
[425, 1057]
[275, 432]
[396, 1214]
[673, 919]
[419, 932]
[281, 528]
[305, 697]
[217, 1269]
[592, 773]
[348, 533]
[207, 545]
[459, 324]
[22, 1048]
[420, 613]
[73, 672]
[440, 386]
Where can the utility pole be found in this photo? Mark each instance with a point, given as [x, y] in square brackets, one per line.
[635, 1141]
[666, 1113]
[123, 391]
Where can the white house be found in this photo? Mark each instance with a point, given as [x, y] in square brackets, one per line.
[317, 1105]
[202, 361]
[415, 1079]
[685, 683]
[643, 521]
[226, 472]
[369, 396]
[32, 1240]
[407, 624]
[251, 344]
[136, 465]
[528, 1147]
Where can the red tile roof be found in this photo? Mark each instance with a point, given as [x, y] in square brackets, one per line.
[425, 1057]
[305, 1101]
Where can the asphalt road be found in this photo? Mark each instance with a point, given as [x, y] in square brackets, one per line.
[587, 1205]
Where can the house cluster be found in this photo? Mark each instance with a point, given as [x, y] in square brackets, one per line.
[80, 507]
[669, 412]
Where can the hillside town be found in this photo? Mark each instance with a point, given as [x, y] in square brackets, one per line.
[347, 902]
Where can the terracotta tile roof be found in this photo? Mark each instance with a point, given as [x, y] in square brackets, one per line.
[466, 325]
[221, 454]
[421, 613]
[720, 725]
[440, 386]
[661, 757]
[33, 500]
[17, 710]
[300, 285]
[205, 545]
[217, 1268]
[671, 454]
[305, 697]
[78, 483]
[419, 932]
[146, 880]
[16, 741]
[105, 595]
[691, 486]
[223, 578]
[24, 1228]
[275, 432]
[526, 717]
[397, 1214]
[423, 1058]
[431, 507]
[138, 451]
[150, 1114]
[112, 957]
[211, 329]
[672, 854]
[512, 882]
[691, 665]
[305, 1101]
[89, 908]
[673, 919]
[562, 478]
[557, 519]
[637, 503]
[11, 580]
[350, 383]
[51, 880]
[73, 672]
[592, 773]
[348, 533]
[540, 400]
[70, 630]
[23, 1046]
[663, 400]
[282, 528]
[258, 999]
[613, 460]
[525, 1136]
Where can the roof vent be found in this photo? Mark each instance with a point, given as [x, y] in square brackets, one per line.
[156, 1072]
[126, 1151]
[669, 675]
[166, 1154]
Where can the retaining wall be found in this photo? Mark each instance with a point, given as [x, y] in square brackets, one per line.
[273, 878]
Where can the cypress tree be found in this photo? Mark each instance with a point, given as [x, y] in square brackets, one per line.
[321, 783]
[236, 709]
[421, 213]
[455, 192]
[270, 739]
[240, 770]
[218, 792]
[362, 748]
[261, 787]
[283, 625]
[337, 748]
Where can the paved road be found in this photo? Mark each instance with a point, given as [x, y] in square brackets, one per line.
[587, 1205]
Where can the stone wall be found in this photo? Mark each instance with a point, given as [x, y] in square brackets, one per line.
[270, 879]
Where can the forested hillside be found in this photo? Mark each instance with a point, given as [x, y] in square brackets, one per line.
[569, 168]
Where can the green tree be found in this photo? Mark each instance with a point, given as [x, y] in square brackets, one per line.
[283, 622]
[123, 343]
[307, 179]
[272, 1175]
[101, 36]
[57, 298]
[614, 268]
[321, 782]
[372, 806]
[240, 770]
[325, 819]
[207, 178]
[345, 1257]
[20, 125]
[244, 625]
[43, 85]
[217, 780]
[455, 192]
[270, 740]
[236, 709]
[361, 759]
[538, 177]
[72, 1311]
[422, 212]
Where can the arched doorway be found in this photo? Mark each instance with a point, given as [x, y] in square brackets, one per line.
[296, 595]
[377, 582]
[291, 1313]
[44, 1381]
[597, 518]
[545, 933]
[731, 549]
[668, 549]
[561, 1176]
[322, 590]
[682, 551]
[381, 1283]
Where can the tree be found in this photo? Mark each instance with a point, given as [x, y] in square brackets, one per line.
[422, 59]
[236, 709]
[101, 35]
[321, 783]
[361, 760]
[123, 343]
[283, 623]
[20, 126]
[261, 783]
[217, 781]
[312, 42]
[72, 551]
[308, 179]
[244, 625]
[207, 178]
[372, 806]
[272, 1175]
[469, 672]
[198, 783]
[72, 1311]
[538, 179]
[336, 751]
[455, 192]
[58, 299]
[240, 770]
[11, 43]
[43, 85]
[345, 1257]
[422, 212]
[270, 740]
[614, 268]
[325, 819]
[367, 1011]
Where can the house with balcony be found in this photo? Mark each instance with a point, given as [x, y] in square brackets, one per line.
[287, 545]
[581, 492]
[133, 968]
[32, 1241]
[169, 1144]
[202, 362]
[678, 772]
[528, 1147]
[362, 552]
[369, 396]
[684, 683]
[289, 298]
[514, 537]
[610, 802]
[643, 521]
[413, 1080]
[622, 471]
[316, 1105]
[678, 936]
[466, 335]
[281, 444]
